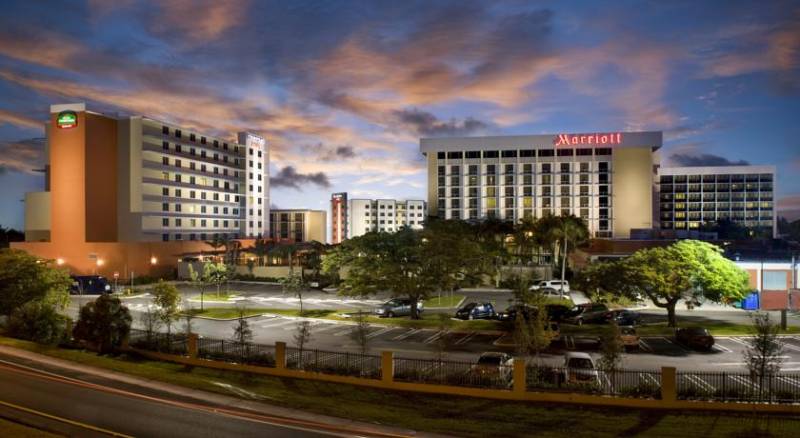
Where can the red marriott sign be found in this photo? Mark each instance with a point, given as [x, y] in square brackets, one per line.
[571, 139]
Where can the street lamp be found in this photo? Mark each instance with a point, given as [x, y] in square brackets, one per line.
[153, 260]
[60, 261]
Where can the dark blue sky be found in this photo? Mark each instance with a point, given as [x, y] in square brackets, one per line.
[343, 90]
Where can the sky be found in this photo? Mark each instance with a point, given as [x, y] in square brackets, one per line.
[343, 90]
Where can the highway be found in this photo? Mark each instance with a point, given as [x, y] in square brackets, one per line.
[75, 406]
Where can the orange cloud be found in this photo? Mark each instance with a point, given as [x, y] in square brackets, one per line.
[201, 20]
[19, 120]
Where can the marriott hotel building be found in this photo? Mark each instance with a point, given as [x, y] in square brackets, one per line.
[605, 179]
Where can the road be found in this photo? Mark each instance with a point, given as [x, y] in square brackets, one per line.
[334, 336]
[89, 406]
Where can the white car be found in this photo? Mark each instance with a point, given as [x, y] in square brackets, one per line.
[579, 368]
[494, 364]
[549, 292]
[552, 284]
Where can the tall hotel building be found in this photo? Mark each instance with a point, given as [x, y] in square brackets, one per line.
[356, 217]
[605, 178]
[692, 196]
[339, 221]
[129, 181]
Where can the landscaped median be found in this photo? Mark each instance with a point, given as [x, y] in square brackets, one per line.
[460, 416]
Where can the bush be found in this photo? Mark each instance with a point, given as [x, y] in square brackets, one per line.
[103, 323]
[642, 390]
[38, 322]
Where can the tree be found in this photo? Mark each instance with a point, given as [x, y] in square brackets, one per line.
[764, 352]
[261, 248]
[242, 333]
[38, 322]
[215, 273]
[151, 321]
[443, 339]
[687, 269]
[572, 228]
[380, 261]
[452, 252]
[25, 278]
[103, 323]
[285, 250]
[522, 335]
[216, 242]
[611, 348]
[360, 331]
[302, 336]
[166, 296]
[202, 279]
[491, 235]
[294, 285]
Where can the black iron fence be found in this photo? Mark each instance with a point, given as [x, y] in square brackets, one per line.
[625, 383]
[339, 363]
[446, 372]
[238, 352]
[171, 343]
[739, 387]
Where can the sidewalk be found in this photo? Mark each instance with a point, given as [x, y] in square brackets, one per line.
[203, 396]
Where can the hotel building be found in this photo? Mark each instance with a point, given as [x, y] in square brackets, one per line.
[606, 178]
[692, 196]
[117, 185]
[299, 225]
[339, 222]
[365, 215]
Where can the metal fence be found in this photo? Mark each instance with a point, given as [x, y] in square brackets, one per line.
[739, 387]
[171, 343]
[230, 351]
[340, 363]
[625, 383]
[445, 372]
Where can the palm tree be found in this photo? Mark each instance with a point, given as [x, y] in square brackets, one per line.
[261, 248]
[287, 250]
[571, 228]
[216, 243]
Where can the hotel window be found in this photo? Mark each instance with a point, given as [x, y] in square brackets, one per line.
[564, 179]
[177, 207]
[527, 169]
[192, 166]
[177, 193]
[546, 168]
[178, 222]
[178, 133]
[192, 180]
[216, 143]
[602, 178]
[165, 161]
[603, 225]
[584, 167]
[509, 154]
[164, 191]
[566, 152]
[584, 190]
[527, 153]
[527, 191]
[547, 191]
[202, 154]
[164, 130]
[455, 155]
[602, 151]
[565, 191]
[546, 152]
[584, 179]
[565, 168]
[604, 201]
[177, 178]
[583, 152]
[508, 191]
[472, 154]
[509, 169]
[547, 202]
[455, 192]
[165, 145]
[165, 207]
[584, 201]
[202, 195]
[178, 236]
[177, 163]
[602, 166]
[547, 179]
[192, 137]
[441, 170]
[440, 155]
[491, 191]
[165, 222]
[527, 179]
[491, 154]
[509, 180]
[202, 140]
[565, 202]
[585, 214]
[178, 148]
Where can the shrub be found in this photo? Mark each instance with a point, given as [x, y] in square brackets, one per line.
[38, 322]
[103, 323]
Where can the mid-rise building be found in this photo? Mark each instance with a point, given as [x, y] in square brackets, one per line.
[339, 224]
[690, 197]
[606, 178]
[298, 225]
[365, 215]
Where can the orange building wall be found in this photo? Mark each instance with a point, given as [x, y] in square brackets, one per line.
[101, 178]
[67, 183]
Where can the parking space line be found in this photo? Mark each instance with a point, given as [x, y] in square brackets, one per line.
[699, 381]
[433, 338]
[743, 381]
[380, 332]
[402, 336]
[277, 323]
[466, 338]
[645, 345]
[648, 376]
[722, 349]
[345, 330]
[740, 341]
[790, 381]
[674, 343]
[790, 346]
[328, 327]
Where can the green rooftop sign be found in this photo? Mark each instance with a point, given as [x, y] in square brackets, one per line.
[67, 119]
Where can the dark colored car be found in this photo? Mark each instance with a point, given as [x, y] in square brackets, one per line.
[557, 312]
[587, 314]
[623, 317]
[397, 307]
[89, 285]
[510, 314]
[476, 311]
[695, 337]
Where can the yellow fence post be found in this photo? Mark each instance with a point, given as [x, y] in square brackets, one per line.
[669, 387]
[191, 345]
[520, 383]
[387, 366]
[280, 355]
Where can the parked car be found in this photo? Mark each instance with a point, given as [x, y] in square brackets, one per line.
[555, 294]
[552, 284]
[510, 314]
[494, 364]
[630, 339]
[476, 311]
[695, 337]
[623, 317]
[397, 307]
[557, 312]
[587, 314]
[89, 285]
[579, 368]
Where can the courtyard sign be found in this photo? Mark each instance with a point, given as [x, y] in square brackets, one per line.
[67, 120]
[572, 139]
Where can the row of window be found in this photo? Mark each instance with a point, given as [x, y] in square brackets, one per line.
[202, 223]
[193, 166]
[514, 153]
[193, 138]
[400, 207]
[603, 225]
[475, 192]
[602, 202]
[178, 148]
[508, 169]
[698, 224]
[194, 236]
[753, 177]
[719, 187]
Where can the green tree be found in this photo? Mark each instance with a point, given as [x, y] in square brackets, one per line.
[611, 349]
[167, 297]
[215, 273]
[452, 253]
[686, 269]
[287, 251]
[492, 234]
[360, 331]
[379, 261]
[25, 278]
[242, 333]
[38, 322]
[103, 323]
[764, 352]
[261, 248]
[443, 340]
[294, 286]
[302, 336]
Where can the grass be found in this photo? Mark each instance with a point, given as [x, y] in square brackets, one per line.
[444, 301]
[461, 416]
[227, 312]
[213, 296]
[17, 430]
[716, 328]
